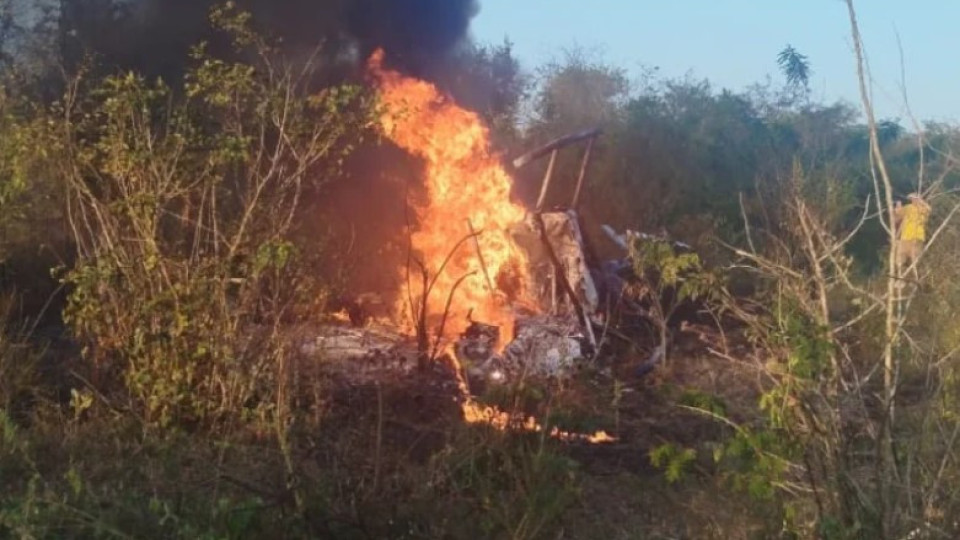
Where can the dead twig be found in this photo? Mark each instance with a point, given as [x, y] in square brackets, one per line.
[483, 263]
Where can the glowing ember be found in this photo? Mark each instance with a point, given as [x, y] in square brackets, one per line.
[475, 413]
[465, 187]
[342, 316]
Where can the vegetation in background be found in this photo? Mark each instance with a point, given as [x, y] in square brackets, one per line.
[161, 195]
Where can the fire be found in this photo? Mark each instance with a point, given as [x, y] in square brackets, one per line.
[475, 413]
[342, 316]
[466, 190]
[466, 216]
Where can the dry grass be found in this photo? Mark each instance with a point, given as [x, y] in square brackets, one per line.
[389, 460]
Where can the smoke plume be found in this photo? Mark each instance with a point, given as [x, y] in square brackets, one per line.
[155, 36]
[416, 34]
[366, 209]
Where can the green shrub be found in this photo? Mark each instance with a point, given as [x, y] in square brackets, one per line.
[183, 204]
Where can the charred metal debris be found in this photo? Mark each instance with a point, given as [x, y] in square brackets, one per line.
[578, 293]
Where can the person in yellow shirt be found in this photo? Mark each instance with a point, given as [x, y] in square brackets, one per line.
[911, 221]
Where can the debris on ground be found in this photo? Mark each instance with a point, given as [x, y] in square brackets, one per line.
[361, 355]
[575, 297]
[544, 346]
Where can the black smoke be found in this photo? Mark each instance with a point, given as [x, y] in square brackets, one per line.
[154, 37]
[417, 35]
[364, 212]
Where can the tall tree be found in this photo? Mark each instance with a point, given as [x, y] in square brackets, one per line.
[795, 67]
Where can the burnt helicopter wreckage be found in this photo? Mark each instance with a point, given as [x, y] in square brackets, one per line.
[574, 289]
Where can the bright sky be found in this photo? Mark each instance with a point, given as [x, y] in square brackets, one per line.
[734, 43]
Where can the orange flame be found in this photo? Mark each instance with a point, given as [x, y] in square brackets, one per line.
[467, 216]
[475, 413]
[478, 414]
[465, 187]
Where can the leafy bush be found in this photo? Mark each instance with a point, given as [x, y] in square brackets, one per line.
[182, 205]
[673, 460]
[669, 280]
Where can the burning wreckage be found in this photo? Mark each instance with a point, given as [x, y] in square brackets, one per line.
[558, 327]
[518, 292]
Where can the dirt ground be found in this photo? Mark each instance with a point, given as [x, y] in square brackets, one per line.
[621, 494]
